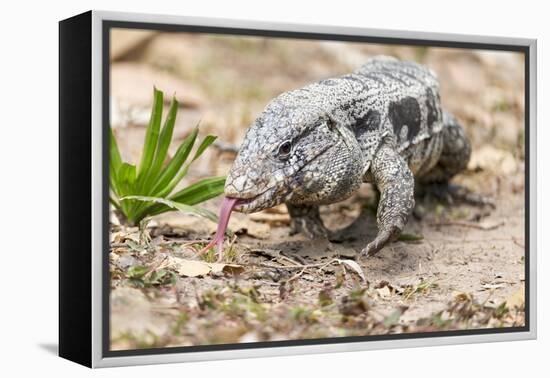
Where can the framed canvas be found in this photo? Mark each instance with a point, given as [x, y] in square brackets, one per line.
[233, 189]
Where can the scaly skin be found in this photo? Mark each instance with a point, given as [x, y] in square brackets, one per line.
[382, 124]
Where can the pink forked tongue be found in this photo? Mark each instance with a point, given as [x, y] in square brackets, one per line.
[227, 206]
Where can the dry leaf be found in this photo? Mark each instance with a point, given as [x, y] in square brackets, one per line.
[232, 269]
[117, 237]
[460, 296]
[194, 268]
[355, 267]
[190, 268]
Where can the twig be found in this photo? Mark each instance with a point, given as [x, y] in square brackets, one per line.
[118, 245]
[290, 260]
[295, 266]
[269, 283]
[478, 226]
[186, 242]
[154, 267]
[518, 243]
[296, 275]
[327, 264]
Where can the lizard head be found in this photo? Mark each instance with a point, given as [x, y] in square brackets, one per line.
[294, 153]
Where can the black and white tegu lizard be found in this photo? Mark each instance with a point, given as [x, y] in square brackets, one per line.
[382, 124]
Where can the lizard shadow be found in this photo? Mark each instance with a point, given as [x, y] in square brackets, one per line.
[347, 243]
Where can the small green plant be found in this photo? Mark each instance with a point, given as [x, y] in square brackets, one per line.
[146, 190]
[143, 277]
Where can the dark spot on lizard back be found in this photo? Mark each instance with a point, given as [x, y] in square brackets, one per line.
[368, 122]
[375, 77]
[352, 104]
[394, 75]
[405, 112]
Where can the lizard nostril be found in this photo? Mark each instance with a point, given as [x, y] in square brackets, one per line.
[238, 183]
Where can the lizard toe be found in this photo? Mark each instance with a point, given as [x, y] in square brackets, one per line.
[382, 239]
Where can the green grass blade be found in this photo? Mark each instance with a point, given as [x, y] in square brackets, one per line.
[141, 190]
[161, 151]
[206, 142]
[115, 161]
[127, 173]
[151, 137]
[115, 203]
[175, 164]
[196, 193]
[127, 178]
[176, 205]
[200, 191]
[162, 147]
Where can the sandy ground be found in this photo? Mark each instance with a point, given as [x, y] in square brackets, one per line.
[455, 268]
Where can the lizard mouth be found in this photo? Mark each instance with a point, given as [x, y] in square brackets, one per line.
[252, 204]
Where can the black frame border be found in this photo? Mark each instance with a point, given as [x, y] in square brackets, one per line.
[75, 188]
[107, 25]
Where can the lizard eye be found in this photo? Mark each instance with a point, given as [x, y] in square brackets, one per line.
[284, 149]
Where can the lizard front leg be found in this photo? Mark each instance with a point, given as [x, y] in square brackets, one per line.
[395, 182]
[306, 219]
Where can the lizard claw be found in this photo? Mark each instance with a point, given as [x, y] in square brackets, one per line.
[383, 238]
